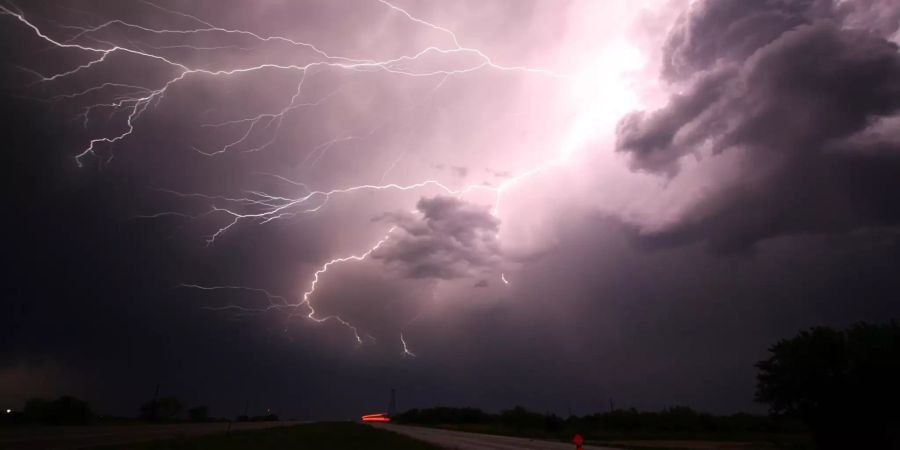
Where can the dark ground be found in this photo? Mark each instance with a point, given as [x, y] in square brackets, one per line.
[89, 436]
[655, 440]
[315, 436]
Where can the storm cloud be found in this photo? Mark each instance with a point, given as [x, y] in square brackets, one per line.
[448, 238]
[807, 104]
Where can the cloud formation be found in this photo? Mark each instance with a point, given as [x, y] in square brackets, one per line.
[448, 238]
[806, 102]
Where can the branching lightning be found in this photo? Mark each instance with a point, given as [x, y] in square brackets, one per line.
[133, 101]
[406, 351]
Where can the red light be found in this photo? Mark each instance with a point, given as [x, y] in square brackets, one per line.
[379, 417]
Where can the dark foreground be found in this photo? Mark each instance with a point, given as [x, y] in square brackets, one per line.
[313, 436]
[474, 441]
[75, 437]
[479, 438]
[243, 436]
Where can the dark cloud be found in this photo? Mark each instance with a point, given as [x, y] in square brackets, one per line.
[878, 16]
[448, 238]
[731, 30]
[651, 136]
[807, 105]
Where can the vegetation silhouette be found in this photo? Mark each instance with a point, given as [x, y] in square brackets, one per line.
[163, 409]
[261, 418]
[842, 386]
[198, 414]
[65, 410]
[678, 422]
[845, 385]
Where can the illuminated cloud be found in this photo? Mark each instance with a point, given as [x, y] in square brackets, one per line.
[447, 238]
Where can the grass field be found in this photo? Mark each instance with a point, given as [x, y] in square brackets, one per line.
[316, 436]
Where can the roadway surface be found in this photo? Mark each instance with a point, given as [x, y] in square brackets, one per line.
[474, 441]
[79, 437]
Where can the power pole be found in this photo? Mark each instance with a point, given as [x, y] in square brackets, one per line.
[392, 406]
[154, 406]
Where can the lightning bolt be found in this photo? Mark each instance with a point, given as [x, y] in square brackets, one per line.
[406, 351]
[133, 101]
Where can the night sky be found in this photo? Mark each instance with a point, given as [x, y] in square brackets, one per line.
[299, 205]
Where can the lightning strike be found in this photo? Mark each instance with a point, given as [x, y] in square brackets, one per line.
[134, 101]
[406, 351]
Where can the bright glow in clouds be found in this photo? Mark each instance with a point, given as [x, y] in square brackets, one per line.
[569, 94]
[602, 93]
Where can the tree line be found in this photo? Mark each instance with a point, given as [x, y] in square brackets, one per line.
[68, 410]
[674, 421]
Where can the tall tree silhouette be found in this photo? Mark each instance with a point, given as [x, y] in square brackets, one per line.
[844, 384]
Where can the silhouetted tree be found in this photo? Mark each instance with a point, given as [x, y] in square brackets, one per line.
[169, 408]
[670, 421]
[65, 410]
[149, 410]
[522, 418]
[198, 414]
[445, 415]
[166, 408]
[844, 384]
[265, 418]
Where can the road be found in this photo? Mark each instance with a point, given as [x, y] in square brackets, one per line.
[76, 437]
[473, 441]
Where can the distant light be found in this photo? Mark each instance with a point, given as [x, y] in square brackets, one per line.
[380, 417]
[8, 411]
[377, 419]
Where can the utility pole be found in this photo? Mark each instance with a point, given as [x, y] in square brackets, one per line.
[392, 406]
[154, 406]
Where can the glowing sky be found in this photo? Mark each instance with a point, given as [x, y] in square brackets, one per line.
[435, 195]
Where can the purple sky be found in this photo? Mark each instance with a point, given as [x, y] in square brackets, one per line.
[301, 204]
